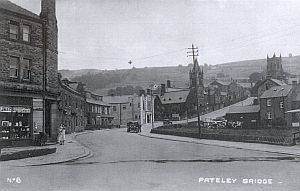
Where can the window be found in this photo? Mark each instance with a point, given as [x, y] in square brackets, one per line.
[269, 102]
[114, 108]
[26, 69]
[26, 33]
[269, 115]
[14, 30]
[281, 105]
[14, 67]
[124, 107]
[139, 105]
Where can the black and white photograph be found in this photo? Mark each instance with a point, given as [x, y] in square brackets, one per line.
[149, 95]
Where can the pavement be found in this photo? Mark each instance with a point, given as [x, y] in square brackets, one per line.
[276, 149]
[71, 150]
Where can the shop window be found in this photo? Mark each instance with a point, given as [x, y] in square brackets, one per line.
[14, 67]
[26, 69]
[15, 122]
[14, 30]
[26, 33]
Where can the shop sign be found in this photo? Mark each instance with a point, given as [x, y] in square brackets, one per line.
[5, 109]
[37, 104]
[21, 109]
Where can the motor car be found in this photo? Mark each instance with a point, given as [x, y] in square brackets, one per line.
[133, 126]
[167, 122]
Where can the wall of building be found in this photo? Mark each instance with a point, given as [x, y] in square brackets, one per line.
[72, 109]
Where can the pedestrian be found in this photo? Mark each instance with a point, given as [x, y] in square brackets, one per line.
[60, 134]
[63, 135]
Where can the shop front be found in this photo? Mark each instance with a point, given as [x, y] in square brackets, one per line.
[16, 122]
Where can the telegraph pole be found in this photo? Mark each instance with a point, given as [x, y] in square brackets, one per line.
[194, 54]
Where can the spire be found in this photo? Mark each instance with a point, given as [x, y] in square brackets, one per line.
[274, 55]
[267, 56]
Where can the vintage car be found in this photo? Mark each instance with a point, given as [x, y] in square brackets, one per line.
[167, 122]
[133, 126]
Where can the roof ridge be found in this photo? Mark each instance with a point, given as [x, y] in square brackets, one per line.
[10, 6]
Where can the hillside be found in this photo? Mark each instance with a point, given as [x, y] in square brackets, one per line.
[101, 81]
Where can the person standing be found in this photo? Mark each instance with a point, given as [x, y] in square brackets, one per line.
[63, 135]
[60, 134]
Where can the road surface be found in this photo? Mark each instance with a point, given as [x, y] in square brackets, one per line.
[128, 161]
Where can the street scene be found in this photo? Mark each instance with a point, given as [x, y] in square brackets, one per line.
[149, 95]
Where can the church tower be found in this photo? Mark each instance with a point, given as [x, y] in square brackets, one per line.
[274, 68]
[196, 78]
[50, 41]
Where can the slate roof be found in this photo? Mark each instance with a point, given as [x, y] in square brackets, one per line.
[221, 82]
[277, 91]
[116, 99]
[98, 102]
[280, 83]
[174, 97]
[5, 4]
[175, 89]
[244, 109]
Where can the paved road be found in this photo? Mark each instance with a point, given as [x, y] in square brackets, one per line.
[127, 161]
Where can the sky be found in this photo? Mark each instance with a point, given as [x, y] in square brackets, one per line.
[106, 34]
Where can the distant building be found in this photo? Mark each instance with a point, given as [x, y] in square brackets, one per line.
[98, 112]
[274, 68]
[71, 106]
[171, 105]
[248, 115]
[124, 108]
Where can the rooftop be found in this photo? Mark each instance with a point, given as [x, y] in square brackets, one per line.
[244, 109]
[277, 91]
[117, 99]
[7, 5]
[174, 97]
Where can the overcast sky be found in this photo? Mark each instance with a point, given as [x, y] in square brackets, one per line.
[106, 34]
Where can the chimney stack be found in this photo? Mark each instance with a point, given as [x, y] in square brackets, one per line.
[168, 84]
[163, 89]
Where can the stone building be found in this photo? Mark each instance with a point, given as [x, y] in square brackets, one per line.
[124, 108]
[28, 72]
[98, 112]
[71, 106]
[274, 103]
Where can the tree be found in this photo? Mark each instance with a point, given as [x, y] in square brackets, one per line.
[255, 77]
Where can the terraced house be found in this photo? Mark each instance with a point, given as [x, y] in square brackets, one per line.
[28, 73]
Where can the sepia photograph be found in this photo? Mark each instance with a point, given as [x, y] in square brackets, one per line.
[149, 95]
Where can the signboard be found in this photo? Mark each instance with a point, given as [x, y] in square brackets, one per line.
[18, 109]
[4, 109]
[37, 104]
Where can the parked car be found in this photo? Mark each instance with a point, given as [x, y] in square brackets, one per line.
[167, 122]
[133, 126]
